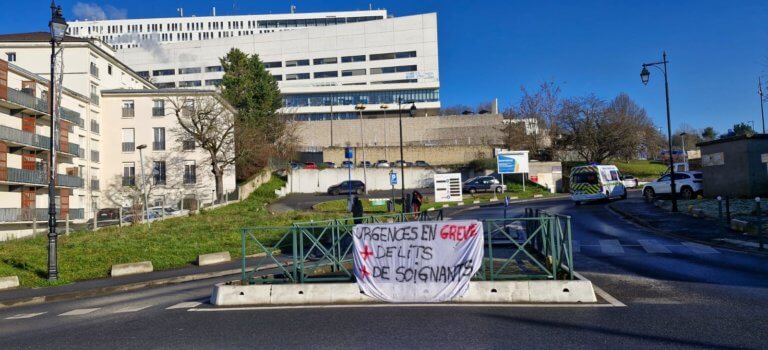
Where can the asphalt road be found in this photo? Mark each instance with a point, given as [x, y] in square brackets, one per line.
[677, 295]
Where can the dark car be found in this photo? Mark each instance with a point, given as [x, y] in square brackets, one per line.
[421, 163]
[365, 164]
[330, 165]
[343, 187]
[106, 217]
[347, 164]
[483, 184]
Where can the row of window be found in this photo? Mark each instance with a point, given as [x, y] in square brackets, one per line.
[159, 171]
[158, 142]
[364, 97]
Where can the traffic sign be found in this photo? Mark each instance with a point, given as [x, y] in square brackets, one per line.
[393, 178]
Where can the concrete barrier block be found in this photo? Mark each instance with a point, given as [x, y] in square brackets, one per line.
[431, 209]
[213, 258]
[349, 293]
[9, 282]
[512, 198]
[476, 201]
[131, 268]
[298, 294]
[496, 292]
[538, 196]
[446, 205]
[562, 292]
[493, 200]
[234, 295]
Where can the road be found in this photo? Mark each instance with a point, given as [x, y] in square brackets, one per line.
[677, 295]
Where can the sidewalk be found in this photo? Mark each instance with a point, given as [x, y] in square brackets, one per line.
[680, 225]
[83, 289]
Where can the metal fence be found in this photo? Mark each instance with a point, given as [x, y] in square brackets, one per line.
[24, 137]
[35, 214]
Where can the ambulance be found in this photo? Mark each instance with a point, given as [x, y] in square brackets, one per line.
[596, 182]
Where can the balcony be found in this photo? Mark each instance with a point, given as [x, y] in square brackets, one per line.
[95, 156]
[128, 112]
[24, 138]
[95, 185]
[72, 116]
[158, 146]
[158, 111]
[26, 100]
[74, 149]
[95, 98]
[95, 126]
[36, 214]
[129, 146]
[27, 176]
[69, 181]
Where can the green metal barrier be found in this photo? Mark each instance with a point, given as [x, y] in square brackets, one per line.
[535, 246]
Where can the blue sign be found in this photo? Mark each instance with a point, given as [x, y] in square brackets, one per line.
[348, 153]
[393, 178]
[507, 164]
[506, 201]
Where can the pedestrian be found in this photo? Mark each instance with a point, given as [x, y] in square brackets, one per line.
[357, 210]
[416, 200]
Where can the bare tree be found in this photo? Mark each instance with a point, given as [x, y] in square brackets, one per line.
[539, 111]
[205, 118]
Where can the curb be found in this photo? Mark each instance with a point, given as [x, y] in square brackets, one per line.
[647, 225]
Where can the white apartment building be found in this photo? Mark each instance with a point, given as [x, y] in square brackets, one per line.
[321, 70]
[129, 33]
[89, 151]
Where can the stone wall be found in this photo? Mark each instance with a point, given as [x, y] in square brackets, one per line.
[434, 155]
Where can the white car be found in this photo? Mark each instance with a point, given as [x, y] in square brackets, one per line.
[687, 183]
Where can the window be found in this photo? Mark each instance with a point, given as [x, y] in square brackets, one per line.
[158, 108]
[189, 70]
[329, 74]
[190, 83]
[392, 55]
[327, 60]
[614, 175]
[352, 72]
[129, 141]
[158, 172]
[143, 74]
[159, 139]
[348, 59]
[585, 178]
[128, 110]
[213, 82]
[353, 98]
[297, 76]
[398, 81]
[190, 172]
[277, 77]
[11, 56]
[109, 69]
[397, 69]
[163, 72]
[94, 70]
[188, 144]
[277, 64]
[212, 69]
[296, 63]
[129, 174]
[169, 85]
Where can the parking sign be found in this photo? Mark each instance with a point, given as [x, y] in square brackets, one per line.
[393, 178]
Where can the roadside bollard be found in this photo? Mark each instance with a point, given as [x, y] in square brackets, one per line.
[728, 210]
[759, 224]
[720, 211]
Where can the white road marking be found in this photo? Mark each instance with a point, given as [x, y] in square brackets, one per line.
[184, 305]
[576, 246]
[350, 306]
[78, 312]
[611, 247]
[700, 248]
[599, 291]
[653, 246]
[20, 316]
[132, 309]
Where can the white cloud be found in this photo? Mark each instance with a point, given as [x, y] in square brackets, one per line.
[94, 12]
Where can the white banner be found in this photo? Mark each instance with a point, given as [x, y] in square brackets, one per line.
[417, 261]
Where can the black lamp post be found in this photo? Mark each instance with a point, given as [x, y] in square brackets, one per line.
[644, 76]
[412, 113]
[58, 28]
[760, 93]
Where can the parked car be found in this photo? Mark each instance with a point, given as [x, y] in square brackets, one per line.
[421, 163]
[365, 164]
[398, 164]
[106, 217]
[347, 164]
[296, 166]
[344, 187]
[310, 165]
[382, 163]
[688, 183]
[168, 211]
[330, 165]
[483, 184]
[629, 181]
[596, 182]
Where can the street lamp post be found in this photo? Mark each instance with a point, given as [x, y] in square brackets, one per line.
[360, 107]
[144, 182]
[386, 144]
[58, 28]
[412, 113]
[685, 153]
[760, 93]
[644, 76]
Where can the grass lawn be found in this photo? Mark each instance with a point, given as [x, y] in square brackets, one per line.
[513, 190]
[168, 244]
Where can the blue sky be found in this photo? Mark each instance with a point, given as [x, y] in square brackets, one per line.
[716, 49]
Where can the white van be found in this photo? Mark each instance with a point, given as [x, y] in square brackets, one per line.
[596, 182]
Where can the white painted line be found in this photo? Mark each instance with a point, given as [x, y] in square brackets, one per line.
[344, 306]
[611, 247]
[700, 248]
[20, 316]
[184, 305]
[599, 291]
[653, 246]
[78, 312]
[132, 309]
[576, 246]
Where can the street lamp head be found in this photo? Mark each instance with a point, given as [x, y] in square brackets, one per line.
[683, 133]
[644, 75]
[58, 24]
[140, 147]
[412, 111]
[359, 106]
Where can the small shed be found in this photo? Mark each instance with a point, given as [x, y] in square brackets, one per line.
[735, 166]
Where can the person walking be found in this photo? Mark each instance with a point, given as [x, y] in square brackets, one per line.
[357, 210]
[416, 200]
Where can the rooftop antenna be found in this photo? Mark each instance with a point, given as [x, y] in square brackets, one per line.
[293, 9]
[180, 10]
